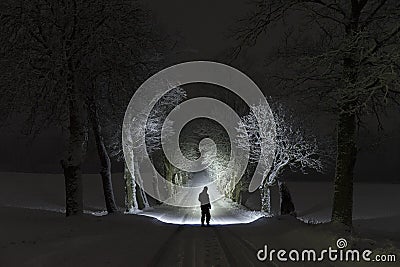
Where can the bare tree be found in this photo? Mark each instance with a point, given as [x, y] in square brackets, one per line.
[156, 123]
[105, 172]
[295, 149]
[215, 154]
[54, 52]
[345, 54]
[149, 126]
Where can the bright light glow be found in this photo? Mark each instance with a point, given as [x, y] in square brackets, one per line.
[223, 211]
[220, 215]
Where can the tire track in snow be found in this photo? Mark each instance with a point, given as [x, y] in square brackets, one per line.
[238, 251]
[206, 246]
[228, 254]
[161, 253]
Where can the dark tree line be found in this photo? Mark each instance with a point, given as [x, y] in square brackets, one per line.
[72, 63]
[341, 56]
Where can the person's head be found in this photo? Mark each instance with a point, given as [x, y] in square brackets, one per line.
[205, 189]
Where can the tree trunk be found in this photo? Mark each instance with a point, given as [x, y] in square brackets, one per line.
[104, 158]
[266, 199]
[342, 211]
[140, 200]
[78, 133]
[130, 191]
[286, 203]
[141, 197]
[77, 146]
[155, 186]
[238, 192]
[168, 176]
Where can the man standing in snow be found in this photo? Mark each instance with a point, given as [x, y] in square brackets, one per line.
[205, 205]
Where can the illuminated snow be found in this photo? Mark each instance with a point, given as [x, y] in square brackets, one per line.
[223, 210]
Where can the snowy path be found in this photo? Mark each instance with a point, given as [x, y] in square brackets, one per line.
[206, 246]
[223, 211]
[192, 245]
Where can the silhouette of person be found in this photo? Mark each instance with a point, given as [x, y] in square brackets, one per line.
[205, 206]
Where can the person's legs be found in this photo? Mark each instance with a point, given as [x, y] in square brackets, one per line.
[202, 215]
[208, 216]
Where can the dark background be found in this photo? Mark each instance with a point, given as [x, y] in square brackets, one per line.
[202, 29]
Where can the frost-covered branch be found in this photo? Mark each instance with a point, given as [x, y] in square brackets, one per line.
[295, 147]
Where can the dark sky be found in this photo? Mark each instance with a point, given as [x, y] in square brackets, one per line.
[201, 28]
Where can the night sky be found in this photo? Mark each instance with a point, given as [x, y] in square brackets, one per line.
[202, 29]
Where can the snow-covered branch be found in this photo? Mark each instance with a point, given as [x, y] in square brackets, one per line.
[295, 147]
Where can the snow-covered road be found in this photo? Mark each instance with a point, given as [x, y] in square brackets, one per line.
[35, 232]
[206, 246]
[223, 210]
